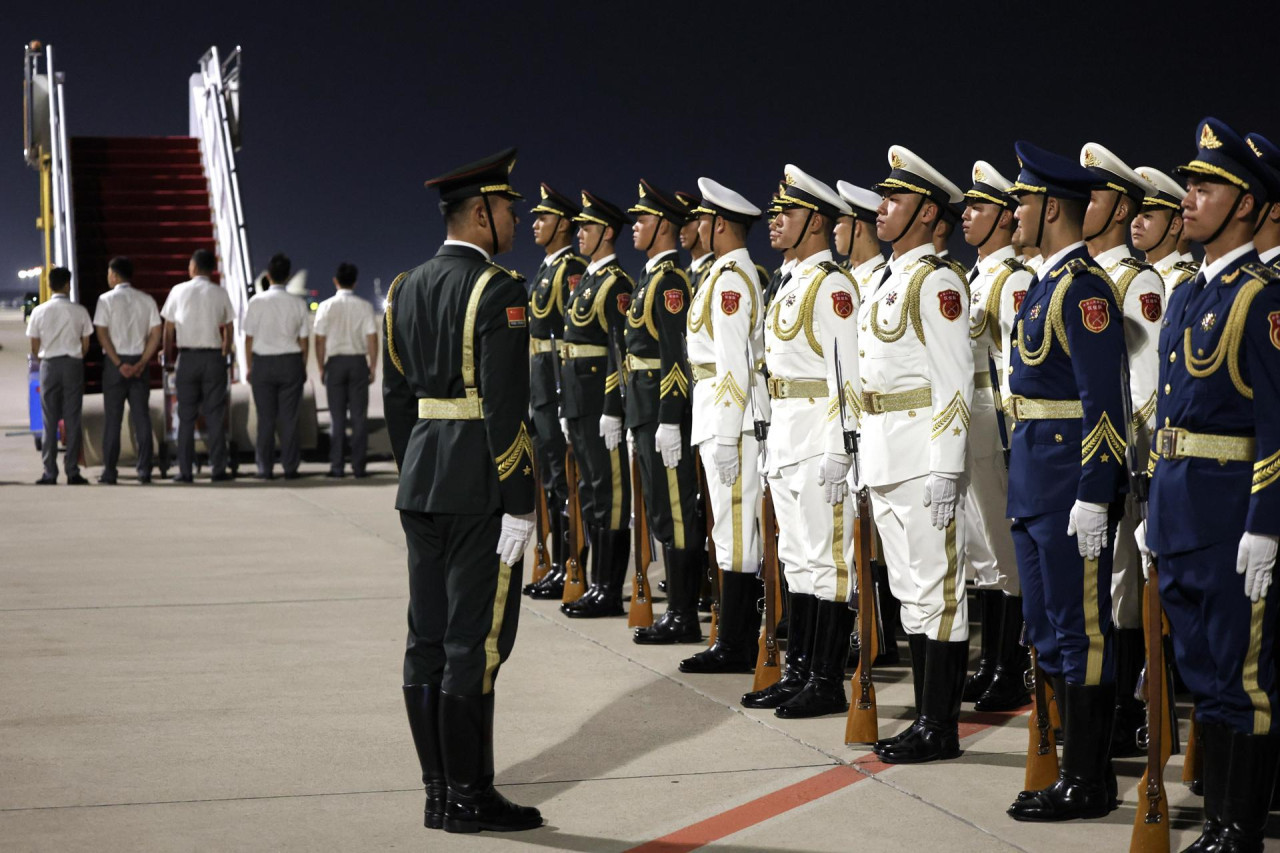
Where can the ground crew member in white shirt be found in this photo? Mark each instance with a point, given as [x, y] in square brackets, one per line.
[59, 331]
[917, 376]
[347, 352]
[128, 326]
[198, 317]
[276, 339]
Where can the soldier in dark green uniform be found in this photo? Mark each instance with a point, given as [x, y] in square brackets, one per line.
[700, 257]
[456, 394]
[557, 276]
[591, 404]
[656, 376]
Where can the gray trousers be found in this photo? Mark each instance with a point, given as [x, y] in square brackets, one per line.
[277, 392]
[201, 381]
[346, 379]
[61, 399]
[115, 390]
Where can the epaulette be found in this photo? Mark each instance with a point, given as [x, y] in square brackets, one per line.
[830, 267]
[617, 270]
[569, 257]
[933, 262]
[1015, 265]
[959, 269]
[1260, 271]
[665, 266]
[1192, 267]
[515, 275]
[880, 266]
[1078, 266]
[1135, 264]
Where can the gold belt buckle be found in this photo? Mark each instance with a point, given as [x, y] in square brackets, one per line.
[871, 403]
[1013, 401]
[774, 386]
[1168, 438]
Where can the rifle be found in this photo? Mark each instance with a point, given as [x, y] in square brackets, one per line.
[641, 615]
[862, 725]
[1042, 750]
[713, 567]
[767, 669]
[574, 586]
[541, 567]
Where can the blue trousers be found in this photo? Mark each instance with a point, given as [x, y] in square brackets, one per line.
[1066, 600]
[1223, 641]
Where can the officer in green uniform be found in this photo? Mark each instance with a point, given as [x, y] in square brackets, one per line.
[557, 276]
[456, 394]
[591, 404]
[700, 257]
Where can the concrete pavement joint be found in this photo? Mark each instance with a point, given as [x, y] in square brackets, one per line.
[397, 541]
[202, 604]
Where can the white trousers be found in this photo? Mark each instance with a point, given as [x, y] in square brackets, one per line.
[926, 565]
[1126, 572]
[735, 509]
[990, 559]
[813, 536]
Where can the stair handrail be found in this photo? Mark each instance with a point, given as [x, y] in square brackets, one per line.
[51, 157]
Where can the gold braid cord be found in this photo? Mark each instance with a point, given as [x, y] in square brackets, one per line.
[1103, 433]
[805, 318]
[509, 461]
[1266, 472]
[1228, 348]
[391, 338]
[555, 294]
[991, 312]
[911, 308]
[1055, 327]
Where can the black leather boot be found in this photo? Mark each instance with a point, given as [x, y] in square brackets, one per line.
[824, 692]
[935, 734]
[466, 739]
[1083, 787]
[1131, 713]
[1008, 688]
[989, 644]
[680, 623]
[890, 617]
[1247, 797]
[918, 643]
[736, 640]
[422, 702]
[592, 566]
[614, 555]
[799, 656]
[552, 586]
[1215, 769]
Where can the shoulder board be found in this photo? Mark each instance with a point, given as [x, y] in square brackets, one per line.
[1078, 266]
[620, 273]
[880, 266]
[665, 266]
[1015, 265]
[830, 267]
[1192, 267]
[959, 269]
[1135, 264]
[932, 261]
[730, 266]
[515, 275]
[570, 258]
[1259, 271]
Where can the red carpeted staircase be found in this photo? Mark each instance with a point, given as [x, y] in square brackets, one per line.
[144, 197]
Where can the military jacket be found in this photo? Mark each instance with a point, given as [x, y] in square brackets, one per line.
[551, 288]
[1140, 292]
[1068, 346]
[698, 271]
[775, 281]
[913, 337]
[997, 285]
[595, 317]
[1219, 375]
[457, 335]
[655, 371]
[811, 337]
[1174, 271]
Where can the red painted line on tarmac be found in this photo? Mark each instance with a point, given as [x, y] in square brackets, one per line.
[801, 793]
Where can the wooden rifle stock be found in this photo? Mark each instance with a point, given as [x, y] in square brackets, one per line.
[1151, 818]
[541, 565]
[767, 669]
[713, 567]
[574, 584]
[862, 725]
[641, 614]
[1042, 751]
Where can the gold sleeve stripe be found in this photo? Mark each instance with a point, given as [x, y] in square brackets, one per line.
[729, 387]
[1142, 417]
[957, 409]
[509, 462]
[1103, 434]
[1152, 459]
[674, 383]
[391, 337]
[1266, 472]
[611, 383]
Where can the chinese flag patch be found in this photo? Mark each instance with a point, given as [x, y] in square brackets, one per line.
[1274, 317]
[624, 302]
[949, 304]
[1018, 296]
[674, 300]
[1095, 313]
[729, 300]
[1150, 306]
[842, 303]
[515, 318]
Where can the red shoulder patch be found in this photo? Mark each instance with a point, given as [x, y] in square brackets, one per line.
[950, 305]
[1095, 313]
[1018, 296]
[1274, 317]
[1151, 306]
[516, 318]
[573, 282]
[842, 303]
[729, 300]
[624, 302]
[674, 300]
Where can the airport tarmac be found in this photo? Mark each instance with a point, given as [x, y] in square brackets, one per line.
[218, 667]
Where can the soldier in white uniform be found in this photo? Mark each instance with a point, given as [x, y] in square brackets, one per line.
[811, 345]
[997, 284]
[917, 378]
[1157, 228]
[1113, 204]
[726, 349]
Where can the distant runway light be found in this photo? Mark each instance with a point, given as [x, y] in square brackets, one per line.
[34, 272]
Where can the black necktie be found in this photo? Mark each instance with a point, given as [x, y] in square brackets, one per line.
[973, 275]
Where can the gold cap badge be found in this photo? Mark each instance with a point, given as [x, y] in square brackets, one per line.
[1208, 139]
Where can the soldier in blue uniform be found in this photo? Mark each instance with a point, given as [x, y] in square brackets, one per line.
[1215, 490]
[1067, 475]
[456, 395]
[1267, 238]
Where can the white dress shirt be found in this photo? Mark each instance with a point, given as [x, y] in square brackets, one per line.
[276, 320]
[346, 321]
[61, 325]
[197, 309]
[128, 315]
[1270, 255]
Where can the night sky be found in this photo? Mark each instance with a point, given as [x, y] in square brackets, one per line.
[348, 107]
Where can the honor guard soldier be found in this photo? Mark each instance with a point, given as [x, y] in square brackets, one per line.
[59, 330]
[1215, 491]
[997, 285]
[558, 274]
[725, 344]
[1113, 204]
[811, 346]
[591, 404]
[1067, 475]
[700, 257]
[782, 273]
[917, 378]
[1157, 229]
[456, 392]
[656, 374]
[946, 226]
[1267, 238]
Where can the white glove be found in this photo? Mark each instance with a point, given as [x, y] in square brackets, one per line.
[831, 476]
[611, 431]
[725, 457]
[940, 497]
[514, 538]
[1140, 534]
[1088, 523]
[564, 428]
[668, 443]
[1256, 560]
